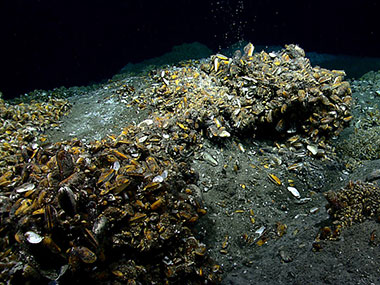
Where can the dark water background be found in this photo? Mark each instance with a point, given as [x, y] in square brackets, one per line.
[50, 43]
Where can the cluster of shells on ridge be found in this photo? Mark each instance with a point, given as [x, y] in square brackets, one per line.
[82, 206]
[280, 92]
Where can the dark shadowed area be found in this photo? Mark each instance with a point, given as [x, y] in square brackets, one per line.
[50, 43]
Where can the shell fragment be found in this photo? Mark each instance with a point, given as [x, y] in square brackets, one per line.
[208, 158]
[312, 149]
[33, 238]
[25, 187]
[294, 192]
[260, 231]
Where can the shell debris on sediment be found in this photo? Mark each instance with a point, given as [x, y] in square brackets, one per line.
[294, 192]
[313, 149]
[260, 231]
[274, 179]
[210, 159]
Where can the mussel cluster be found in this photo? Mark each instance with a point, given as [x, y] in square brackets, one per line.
[354, 203]
[21, 123]
[116, 210]
[279, 92]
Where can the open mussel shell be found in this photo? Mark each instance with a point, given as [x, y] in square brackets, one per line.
[33, 237]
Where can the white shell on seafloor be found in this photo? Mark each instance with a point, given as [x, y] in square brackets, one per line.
[294, 191]
[312, 149]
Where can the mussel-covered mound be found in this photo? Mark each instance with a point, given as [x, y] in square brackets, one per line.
[354, 203]
[258, 93]
[276, 95]
[21, 123]
[282, 90]
[116, 210]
